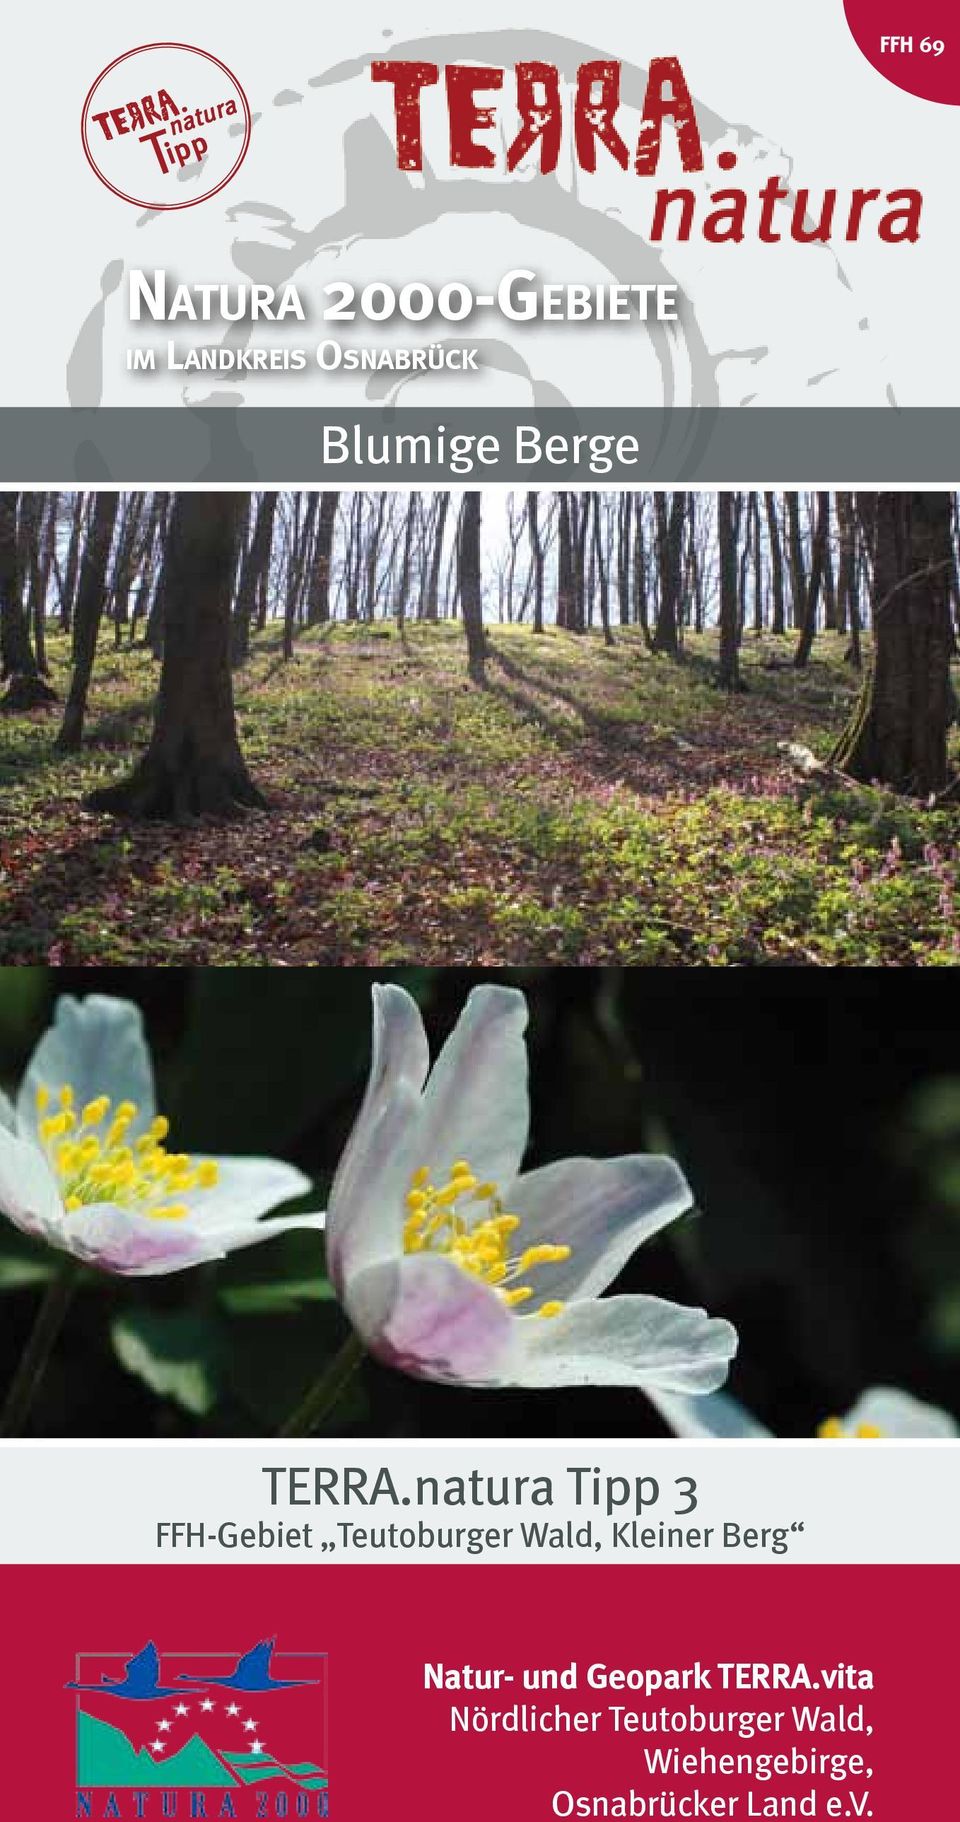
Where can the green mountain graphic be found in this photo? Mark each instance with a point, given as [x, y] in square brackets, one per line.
[105, 1756]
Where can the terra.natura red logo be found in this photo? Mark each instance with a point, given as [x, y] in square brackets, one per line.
[165, 126]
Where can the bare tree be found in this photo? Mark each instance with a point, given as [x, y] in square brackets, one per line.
[898, 732]
[86, 623]
[471, 587]
[193, 764]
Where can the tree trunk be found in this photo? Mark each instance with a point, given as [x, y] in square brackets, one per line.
[727, 516]
[641, 608]
[846, 561]
[897, 735]
[87, 617]
[757, 565]
[193, 765]
[256, 562]
[798, 584]
[778, 618]
[28, 690]
[624, 515]
[153, 633]
[666, 638]
[318, 596]
[406, 561]
[301, 539]
[28, 563]
[817, 558]
[432, 603]
[72, 568]
[565, 576]
[471, 587]
[536, 553]
[602, 575]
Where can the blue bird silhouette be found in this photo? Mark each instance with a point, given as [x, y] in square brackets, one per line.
[139, 1683]
[252, 1673]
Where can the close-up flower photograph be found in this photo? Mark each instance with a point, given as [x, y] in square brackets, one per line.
[442, 1203]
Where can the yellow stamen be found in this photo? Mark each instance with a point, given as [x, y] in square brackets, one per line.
[437, 1221]
[448, 1194]
[123, 1118]
[831, 1430]
[92, 1165]
[868, 1430]
[543, 1255]
[55, 1125]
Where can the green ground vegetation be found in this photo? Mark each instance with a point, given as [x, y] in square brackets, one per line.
[592, 804]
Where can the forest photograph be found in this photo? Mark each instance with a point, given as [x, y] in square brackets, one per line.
[479, 728]
[443, 1202]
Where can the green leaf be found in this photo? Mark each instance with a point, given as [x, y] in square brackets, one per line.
[271, 1299]
[269, 1280]
[24, 1261]
[177, 1354]
[16, 1272]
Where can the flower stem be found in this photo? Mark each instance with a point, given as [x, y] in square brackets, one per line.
[35, 1358]
[328, 1390]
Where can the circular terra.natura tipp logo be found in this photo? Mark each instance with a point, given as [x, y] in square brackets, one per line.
[163, 118]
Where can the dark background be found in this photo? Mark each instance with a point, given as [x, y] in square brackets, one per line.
[817, 1116]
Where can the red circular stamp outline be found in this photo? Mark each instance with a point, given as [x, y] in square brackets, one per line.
[189, 202]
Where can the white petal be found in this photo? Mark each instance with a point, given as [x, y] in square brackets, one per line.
[642, 1341]
[896, 1413]
[220, 1241]
[122, 1241]
[8, 1113]
[602, 1208]
[475, 1106]
[715, 1414]
[29, 1197]
[130, 1244]
[246, 1188]
[427, 1317]
[98, 1047]
[365, 1213]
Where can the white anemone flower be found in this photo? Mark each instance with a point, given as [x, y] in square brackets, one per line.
[452, 1266]
[84, 1166]
[882, 1411]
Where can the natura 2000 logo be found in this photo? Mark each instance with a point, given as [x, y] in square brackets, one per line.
[201, 1734]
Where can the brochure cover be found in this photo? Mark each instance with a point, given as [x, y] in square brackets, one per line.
[479, 839]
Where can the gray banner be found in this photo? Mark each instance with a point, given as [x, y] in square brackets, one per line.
[415, 447]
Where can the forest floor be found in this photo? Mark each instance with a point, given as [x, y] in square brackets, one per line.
[590, 805]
